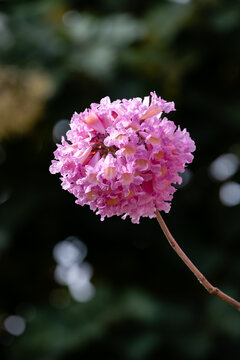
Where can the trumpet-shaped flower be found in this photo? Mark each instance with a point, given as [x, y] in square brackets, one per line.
[122, 157]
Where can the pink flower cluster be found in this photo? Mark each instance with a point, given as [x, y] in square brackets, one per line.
[122, 157]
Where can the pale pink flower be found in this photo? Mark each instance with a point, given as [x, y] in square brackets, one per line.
[122, 157]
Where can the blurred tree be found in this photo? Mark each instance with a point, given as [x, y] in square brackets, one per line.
[146, 303]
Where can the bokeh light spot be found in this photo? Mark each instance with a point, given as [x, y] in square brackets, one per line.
[82, 292]
[72, 271]
[69, 251]
[224, 166]
[230, 193]
[60, 129]
[15, 325]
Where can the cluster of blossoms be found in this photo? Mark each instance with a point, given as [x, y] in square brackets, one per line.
[122, 157]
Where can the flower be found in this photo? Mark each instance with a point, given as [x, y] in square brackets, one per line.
[122, 157]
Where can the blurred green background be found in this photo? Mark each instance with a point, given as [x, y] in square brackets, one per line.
[72, 287]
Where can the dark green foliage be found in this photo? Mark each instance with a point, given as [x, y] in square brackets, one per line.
[147, 304]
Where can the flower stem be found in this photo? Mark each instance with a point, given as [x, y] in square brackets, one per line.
[201, 278]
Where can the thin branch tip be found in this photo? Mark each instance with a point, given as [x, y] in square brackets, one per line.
[201, 278]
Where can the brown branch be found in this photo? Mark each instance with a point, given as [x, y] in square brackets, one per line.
[201, 278]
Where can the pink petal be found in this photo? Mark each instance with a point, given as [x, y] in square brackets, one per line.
[93, 121]
[151, 111]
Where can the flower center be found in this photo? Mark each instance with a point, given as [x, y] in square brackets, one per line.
[97, 144]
